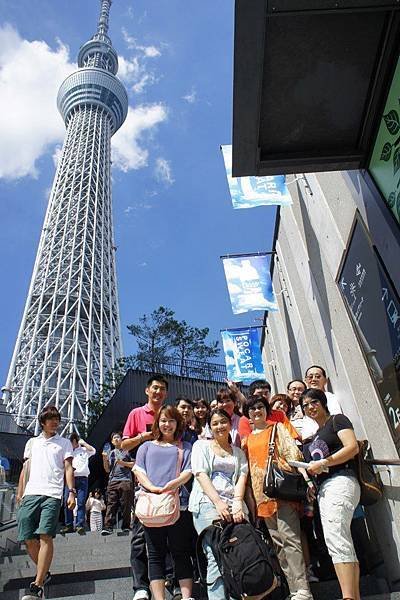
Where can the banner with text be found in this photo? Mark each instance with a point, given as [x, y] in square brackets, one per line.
[248, 192]
[242, 354]
[249, 284]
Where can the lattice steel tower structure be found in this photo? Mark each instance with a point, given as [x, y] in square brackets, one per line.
[70, 332]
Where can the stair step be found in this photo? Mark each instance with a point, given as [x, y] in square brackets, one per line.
[112, 557]
[66, 574]
[107, 589]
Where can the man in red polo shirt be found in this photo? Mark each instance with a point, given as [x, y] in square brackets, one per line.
[137, 430]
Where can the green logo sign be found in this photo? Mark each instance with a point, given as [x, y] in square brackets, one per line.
[385, 161]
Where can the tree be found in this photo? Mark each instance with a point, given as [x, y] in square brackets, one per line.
[162, 343]
[189, 343]
[99, 401]
[162, 339]
[153, 338]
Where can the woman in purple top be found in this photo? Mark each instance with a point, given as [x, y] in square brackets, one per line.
[155, 469]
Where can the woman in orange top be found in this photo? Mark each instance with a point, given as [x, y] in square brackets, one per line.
[281, 517]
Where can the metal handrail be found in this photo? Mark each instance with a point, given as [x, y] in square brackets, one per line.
[395, 462]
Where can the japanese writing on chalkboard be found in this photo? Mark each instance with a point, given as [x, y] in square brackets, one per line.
[374, 306]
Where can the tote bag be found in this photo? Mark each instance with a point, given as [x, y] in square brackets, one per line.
[159, 510]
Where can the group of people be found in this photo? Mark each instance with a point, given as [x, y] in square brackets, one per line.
[214, 459]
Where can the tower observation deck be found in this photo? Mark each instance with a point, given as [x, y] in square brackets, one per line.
[69, 336]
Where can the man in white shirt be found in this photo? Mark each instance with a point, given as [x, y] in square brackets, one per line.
[80, 463]
[316, 378]
[49, 457]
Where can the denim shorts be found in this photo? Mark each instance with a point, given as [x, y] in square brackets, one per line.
[338, 498]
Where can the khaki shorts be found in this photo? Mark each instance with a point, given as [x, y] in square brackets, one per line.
[37, 515]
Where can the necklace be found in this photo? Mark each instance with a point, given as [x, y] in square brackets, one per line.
[325, 422]
[220, 451]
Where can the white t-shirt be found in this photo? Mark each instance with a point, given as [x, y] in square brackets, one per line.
[80, 462]
[95, 505]
[46, 477]
[310, 427]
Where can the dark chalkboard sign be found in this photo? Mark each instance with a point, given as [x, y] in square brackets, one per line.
[374, 306]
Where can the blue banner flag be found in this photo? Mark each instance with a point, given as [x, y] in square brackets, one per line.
[247, 192]
[249, 284]
[242, 354]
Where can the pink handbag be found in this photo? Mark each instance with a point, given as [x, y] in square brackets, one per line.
[159, 510]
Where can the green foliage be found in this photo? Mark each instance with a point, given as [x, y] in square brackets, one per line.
[153, 336]
[161, 340]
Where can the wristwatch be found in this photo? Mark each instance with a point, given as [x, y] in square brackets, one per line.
[72, 491]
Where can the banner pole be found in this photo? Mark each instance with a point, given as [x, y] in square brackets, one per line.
[241, 328]
[248, 254]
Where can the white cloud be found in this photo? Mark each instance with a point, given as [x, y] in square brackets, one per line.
[148, 51]
[135, 73]
[135, 70]
[191, 97]
[128, 70]
[57, 155]
[30, 75]
[163, 171]
[127, 153]
[30, 126]
[136, 207]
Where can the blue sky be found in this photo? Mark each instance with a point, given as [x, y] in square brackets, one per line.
[172, 212]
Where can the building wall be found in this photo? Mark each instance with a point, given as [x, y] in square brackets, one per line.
[314, 327]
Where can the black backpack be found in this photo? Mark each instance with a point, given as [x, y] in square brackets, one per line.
[246, 560]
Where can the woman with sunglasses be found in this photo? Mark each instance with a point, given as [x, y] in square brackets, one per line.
[281, 517]
[332, 450]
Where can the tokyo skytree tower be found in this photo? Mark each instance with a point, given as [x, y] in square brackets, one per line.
[70, 332]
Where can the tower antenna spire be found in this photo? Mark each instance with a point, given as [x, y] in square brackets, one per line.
[102, 26]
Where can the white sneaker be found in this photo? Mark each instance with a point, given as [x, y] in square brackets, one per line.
[141, 595]
[302, 595]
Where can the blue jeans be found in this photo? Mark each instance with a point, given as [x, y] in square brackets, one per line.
[202, 519]
[81, 486]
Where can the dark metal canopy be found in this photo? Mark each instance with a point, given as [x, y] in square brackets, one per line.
[310, 82]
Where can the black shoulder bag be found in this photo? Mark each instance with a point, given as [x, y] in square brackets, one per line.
[279, 483]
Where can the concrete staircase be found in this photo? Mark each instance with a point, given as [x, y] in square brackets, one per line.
[83, 568]
[92, 567]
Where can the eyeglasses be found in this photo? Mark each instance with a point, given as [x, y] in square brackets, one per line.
[259, 406]
[314, 376]
[311, 403]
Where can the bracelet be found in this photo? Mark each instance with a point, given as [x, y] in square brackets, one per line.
[141, 436]
[308, 480]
